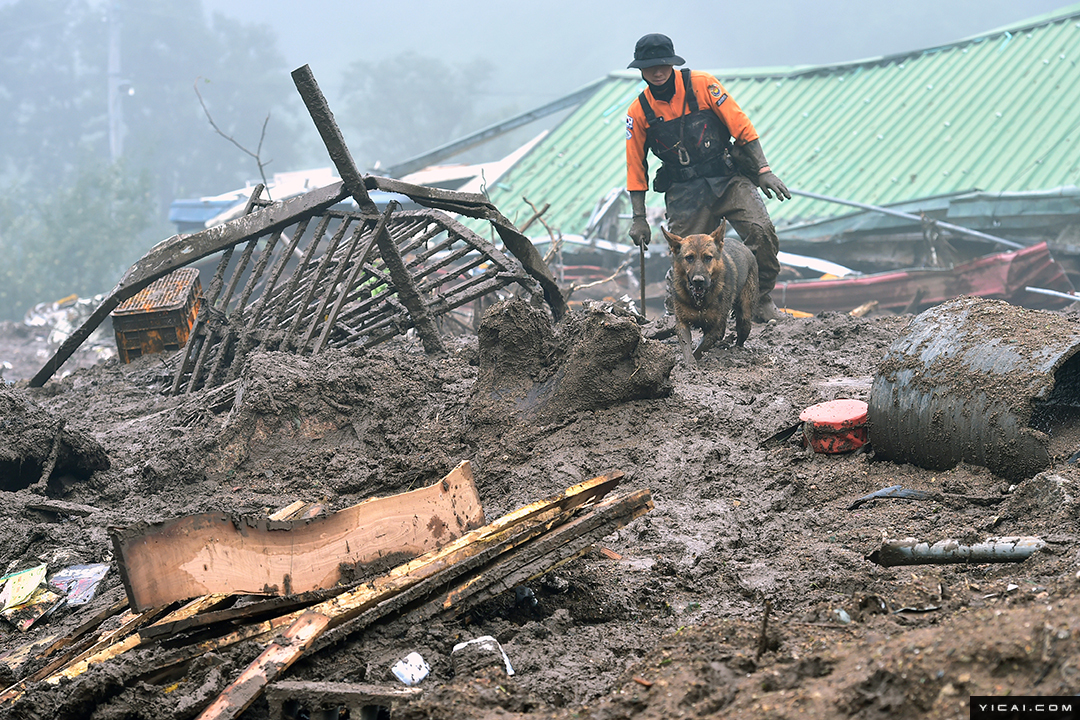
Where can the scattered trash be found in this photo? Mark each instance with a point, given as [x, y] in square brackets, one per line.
[842, 616]
[61, 317]
[893, 491]
[41, 603]
[25, 599]
[925, 609]
[412, 669]
[479, 653]
[525, 597]
[79, 583]
[19, 586]
[836, 426]
[912, 552]
[781, 435]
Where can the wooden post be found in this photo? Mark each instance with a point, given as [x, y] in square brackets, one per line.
[354, 183]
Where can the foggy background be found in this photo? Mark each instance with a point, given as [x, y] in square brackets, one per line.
[102, 119]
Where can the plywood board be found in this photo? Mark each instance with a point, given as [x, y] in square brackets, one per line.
[219, 553]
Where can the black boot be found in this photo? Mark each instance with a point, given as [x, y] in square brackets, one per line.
[766, 311]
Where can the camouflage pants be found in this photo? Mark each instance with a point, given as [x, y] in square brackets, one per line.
[698, 206]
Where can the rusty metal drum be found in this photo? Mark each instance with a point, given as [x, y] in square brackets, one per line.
[980, 381]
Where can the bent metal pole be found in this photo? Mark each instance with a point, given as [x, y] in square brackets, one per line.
[909, 216]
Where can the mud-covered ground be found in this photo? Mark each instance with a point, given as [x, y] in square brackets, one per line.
[665, 620]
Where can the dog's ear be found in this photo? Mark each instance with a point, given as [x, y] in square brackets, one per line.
[674, 241]
[718, 235]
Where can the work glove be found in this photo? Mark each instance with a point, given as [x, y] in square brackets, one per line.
[640, 232]
[766, 179]
[769, 184]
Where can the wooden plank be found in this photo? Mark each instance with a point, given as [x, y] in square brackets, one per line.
[278, 656]
[272, 662]
[354, 696]
[129, 622]
[217, 553]
[62, 508]
[556, 548]
[517, 559]
[251, 612]
[288, 511]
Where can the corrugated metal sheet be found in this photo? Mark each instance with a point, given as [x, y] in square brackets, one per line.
[993, 113]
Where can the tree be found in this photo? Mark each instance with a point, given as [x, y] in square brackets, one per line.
[79, 240]
[69, 220]
[408, 104]
[54, 82]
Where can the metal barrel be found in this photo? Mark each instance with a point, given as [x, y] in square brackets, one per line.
[979, 381]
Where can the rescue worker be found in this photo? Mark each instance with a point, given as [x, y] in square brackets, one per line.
[703, 176]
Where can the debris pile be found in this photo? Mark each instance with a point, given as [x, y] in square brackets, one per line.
[462, 570]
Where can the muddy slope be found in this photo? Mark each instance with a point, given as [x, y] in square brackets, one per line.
[668, 621]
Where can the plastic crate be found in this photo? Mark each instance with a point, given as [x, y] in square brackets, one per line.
[160, 317]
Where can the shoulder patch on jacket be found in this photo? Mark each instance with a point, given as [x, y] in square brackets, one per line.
[629, 127]
[721, 99]
[715, 90]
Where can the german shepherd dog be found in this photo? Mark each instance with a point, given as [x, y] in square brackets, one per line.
[711, 277]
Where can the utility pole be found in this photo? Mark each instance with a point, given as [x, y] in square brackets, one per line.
[116, 110]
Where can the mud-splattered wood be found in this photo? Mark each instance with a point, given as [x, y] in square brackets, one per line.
[280, 655]
[513, 561]
[556, 548]
[62, 508]
[93, 623]
[105, 643]
[354, 696]
[217, 553]
[252, 612]
[126, 637]
[482, 553]
[271, 663]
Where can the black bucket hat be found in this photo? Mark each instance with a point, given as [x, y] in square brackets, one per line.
[654, 49]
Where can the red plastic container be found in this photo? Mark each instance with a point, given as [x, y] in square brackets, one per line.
[836, 426]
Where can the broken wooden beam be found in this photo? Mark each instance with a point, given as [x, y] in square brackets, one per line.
[503, 566]
[280, 655]
[526, 562]
[218, 553]
[515, 241]
[354, 182]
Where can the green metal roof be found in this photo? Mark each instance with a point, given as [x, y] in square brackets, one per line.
[995, 113]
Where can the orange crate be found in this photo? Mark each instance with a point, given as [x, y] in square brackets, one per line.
[159, 317]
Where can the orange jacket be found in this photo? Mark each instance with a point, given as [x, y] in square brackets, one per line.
[709, 93]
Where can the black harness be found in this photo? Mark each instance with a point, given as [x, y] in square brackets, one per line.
[694, 147]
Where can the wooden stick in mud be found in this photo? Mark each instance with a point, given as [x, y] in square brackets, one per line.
[641, 254]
